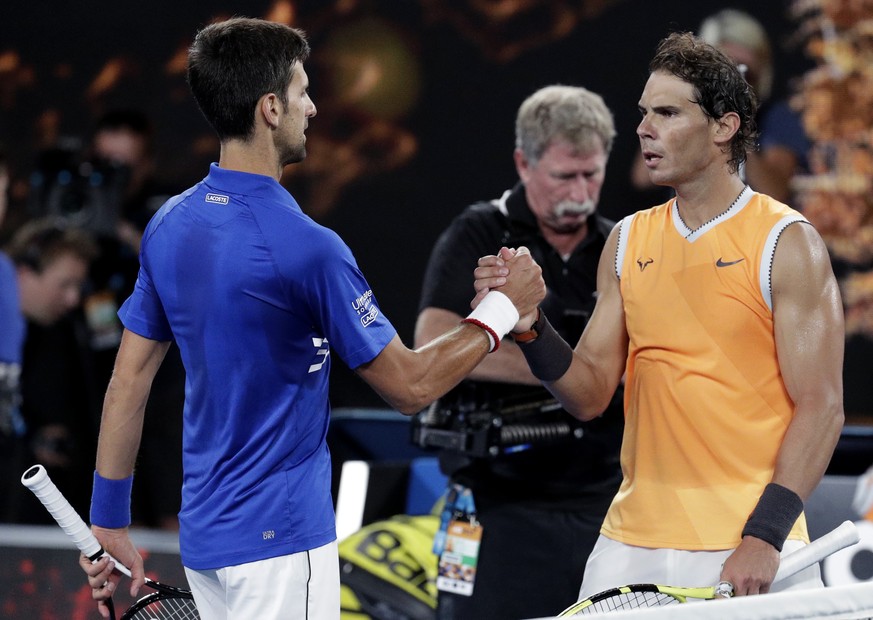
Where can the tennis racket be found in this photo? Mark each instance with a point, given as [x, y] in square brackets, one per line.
[651, 595]
[166, 603]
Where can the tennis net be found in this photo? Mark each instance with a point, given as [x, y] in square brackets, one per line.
[849, 602]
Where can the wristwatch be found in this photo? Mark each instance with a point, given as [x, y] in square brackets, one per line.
[531, 334]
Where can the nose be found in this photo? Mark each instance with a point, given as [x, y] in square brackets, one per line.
[579, 189]
[312, 111]
[644, 129]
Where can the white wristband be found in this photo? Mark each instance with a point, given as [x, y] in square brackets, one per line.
[498, 312]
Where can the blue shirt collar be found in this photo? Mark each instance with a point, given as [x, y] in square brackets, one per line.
[244, 183]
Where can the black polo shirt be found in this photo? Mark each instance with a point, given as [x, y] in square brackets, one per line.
[566, 470]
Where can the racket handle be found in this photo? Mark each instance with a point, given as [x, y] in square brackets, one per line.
[37, 480]
[841, 537]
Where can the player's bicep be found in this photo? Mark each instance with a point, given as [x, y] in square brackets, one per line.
[808, 316]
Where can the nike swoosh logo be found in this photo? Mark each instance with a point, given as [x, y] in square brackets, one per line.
[721, 263]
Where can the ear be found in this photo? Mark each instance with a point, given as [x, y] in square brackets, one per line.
[269, 109]
[726, 128]
[521, 165]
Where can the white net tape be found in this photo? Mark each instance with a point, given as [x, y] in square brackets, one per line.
[851, 602]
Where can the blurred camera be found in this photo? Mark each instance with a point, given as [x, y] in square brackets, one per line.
[474, 422]
[87, 192]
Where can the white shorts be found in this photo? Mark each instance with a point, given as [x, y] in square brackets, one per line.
[613, 564]
[300, 585]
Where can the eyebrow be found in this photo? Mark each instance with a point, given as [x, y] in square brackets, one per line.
[660, 108]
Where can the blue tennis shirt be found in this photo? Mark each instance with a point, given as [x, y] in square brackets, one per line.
[257, 296]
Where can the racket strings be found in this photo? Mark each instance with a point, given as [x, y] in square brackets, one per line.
[628, 600]
[165, 608]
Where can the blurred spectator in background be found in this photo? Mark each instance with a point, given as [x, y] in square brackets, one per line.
[123, 143]
[121, 153]
[111, 189]
[56, 422]
[12, 330]
[124, 139]
[783, 145]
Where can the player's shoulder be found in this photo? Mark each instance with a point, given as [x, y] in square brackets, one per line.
[167, 210]
[644, 217]
[283, 217]
[295, 239]
[766, 205]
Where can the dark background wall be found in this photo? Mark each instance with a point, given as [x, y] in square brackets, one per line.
[416, 101]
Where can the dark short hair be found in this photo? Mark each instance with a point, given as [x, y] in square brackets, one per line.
[233, 63]
[718, 85]
[136, 121]
[128, 119]
[38, 243]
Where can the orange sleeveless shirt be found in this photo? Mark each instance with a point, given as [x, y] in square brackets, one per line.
[705, 405]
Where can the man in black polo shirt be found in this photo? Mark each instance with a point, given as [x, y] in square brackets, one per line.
[540, 503]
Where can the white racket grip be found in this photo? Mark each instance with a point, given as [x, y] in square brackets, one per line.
[37, 480]
[840, 537]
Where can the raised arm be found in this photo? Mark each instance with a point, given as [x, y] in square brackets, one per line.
[506, 364]
[810, 337]
[598, 361]
[409, 379]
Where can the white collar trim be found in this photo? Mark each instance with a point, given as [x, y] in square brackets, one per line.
[692, 235]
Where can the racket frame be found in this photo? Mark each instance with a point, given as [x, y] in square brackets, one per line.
[844, 535]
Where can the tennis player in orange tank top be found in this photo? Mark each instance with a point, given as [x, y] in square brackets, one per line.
[710, 387]
[721, 310]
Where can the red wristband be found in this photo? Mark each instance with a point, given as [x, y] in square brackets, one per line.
[488, 329]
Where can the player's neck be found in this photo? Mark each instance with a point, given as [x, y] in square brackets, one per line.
[252, 156]
[705, 199]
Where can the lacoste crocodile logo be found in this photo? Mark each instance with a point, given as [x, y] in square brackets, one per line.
[721, 263]
[644, 263]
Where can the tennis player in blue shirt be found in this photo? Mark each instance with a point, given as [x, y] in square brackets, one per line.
[259, 298]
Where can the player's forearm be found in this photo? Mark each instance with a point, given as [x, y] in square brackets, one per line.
[801, 461]
[409, 380]
[432, 370]
[583, 379]
[137, 362]
[583, 391]
[121, 427]
[505, 365]
[809, 444]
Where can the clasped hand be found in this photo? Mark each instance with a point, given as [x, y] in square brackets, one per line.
[516, 274]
